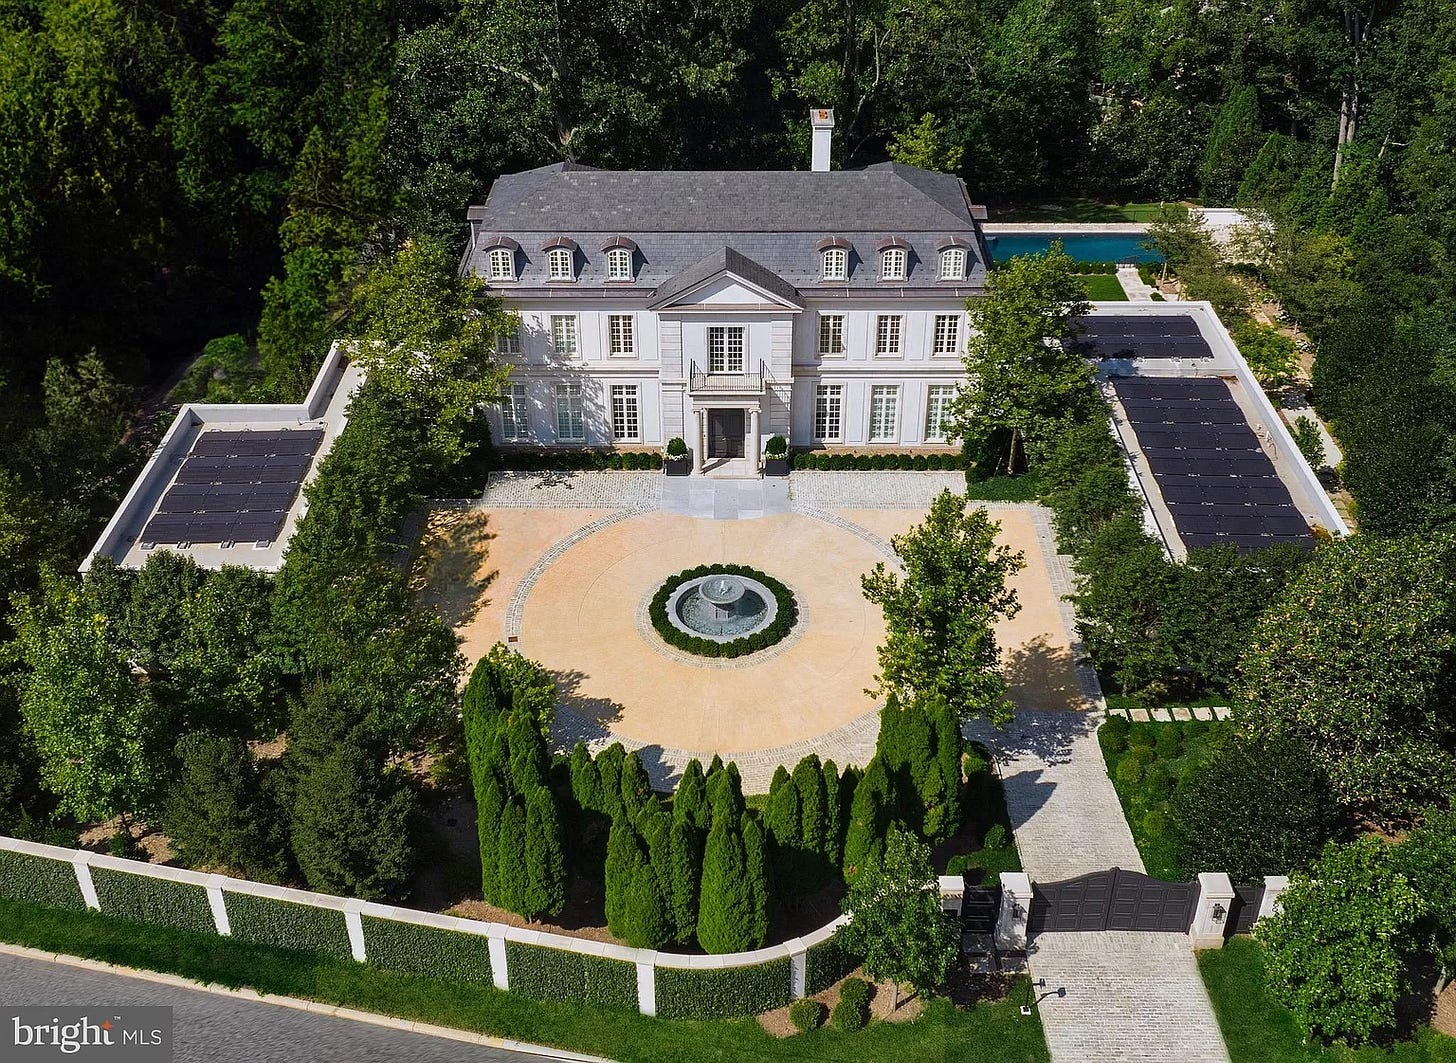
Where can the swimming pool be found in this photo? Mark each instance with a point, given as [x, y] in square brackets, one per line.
[1084, 247]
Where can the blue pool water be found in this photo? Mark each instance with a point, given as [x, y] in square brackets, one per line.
[1084, 247]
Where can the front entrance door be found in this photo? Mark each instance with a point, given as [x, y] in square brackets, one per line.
[725, 433]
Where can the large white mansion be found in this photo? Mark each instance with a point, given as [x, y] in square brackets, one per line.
[826, 306]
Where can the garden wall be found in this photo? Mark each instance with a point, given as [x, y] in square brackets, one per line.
[531, 962]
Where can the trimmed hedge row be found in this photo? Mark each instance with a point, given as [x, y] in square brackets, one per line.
[725, 993]
[834, 461]
[266, 921]
[827, 963]
[783, 621]
[429, 950]
[554, 974]
[39, 880]
[157, 901]
[576, 460]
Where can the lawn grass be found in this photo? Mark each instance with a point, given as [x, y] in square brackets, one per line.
[1080, 210]
[1258, 1030]
[1103, 287]
[944, 1032]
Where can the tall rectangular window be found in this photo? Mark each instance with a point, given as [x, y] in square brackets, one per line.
[623, 342]
[570, 423]
[725, 349]
[564, 335]
[515, 418]
[884, 413]
[626, 422]
[828, 412]
[509, 342]
[887, 336]
[947, 334]
[938, 399]
[831, 335]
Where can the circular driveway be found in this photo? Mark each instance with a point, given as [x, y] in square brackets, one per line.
[582, 621]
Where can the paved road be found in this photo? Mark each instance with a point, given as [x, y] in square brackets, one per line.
[219, 1029]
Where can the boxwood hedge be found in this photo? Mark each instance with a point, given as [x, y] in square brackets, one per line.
[427, 950]
[837, 461]
[39, 880]
[153, 900]
[267, 921]
[783, 621]
[724, 993]
[554, 974]
[826, 963]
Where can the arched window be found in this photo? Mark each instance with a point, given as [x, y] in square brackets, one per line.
[953, 264]
[619, 264]
[836, 264]
[502, 264]
[558, 262]
[892, 264]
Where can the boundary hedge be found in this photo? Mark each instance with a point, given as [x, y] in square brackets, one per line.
[268, 921]
[826, 963]
[724, 993]
[416, 949]
[554, 974]
[39, 880]
[595, 460]
[783, 622]
[835, 461]
[157, 901]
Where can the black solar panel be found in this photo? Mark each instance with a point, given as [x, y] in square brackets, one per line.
[1160, 336]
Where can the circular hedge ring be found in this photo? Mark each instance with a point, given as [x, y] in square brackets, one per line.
[783, 622]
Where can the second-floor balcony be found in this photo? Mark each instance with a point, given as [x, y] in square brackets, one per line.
[726, 383]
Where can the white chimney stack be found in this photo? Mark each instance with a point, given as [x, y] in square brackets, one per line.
[821, 121]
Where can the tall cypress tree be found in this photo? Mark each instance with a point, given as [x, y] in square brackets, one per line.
[813, 831]
[609, 767]
[691, 802]
[545, 856]
[654, 827]
[869, 820]
[586, 781]
[489, 805]
[528, 753]
[943, 819]
[755, 860]
[725, 900]
[686, 873]
[624, 854]
[650, 922]
[785, 824]
[511, 857]
[636, 787]
[833, 816]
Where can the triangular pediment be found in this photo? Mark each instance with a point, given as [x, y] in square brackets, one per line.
[724, 280]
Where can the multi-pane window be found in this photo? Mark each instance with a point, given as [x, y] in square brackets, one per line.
[502, 264]
[508, 341]
[828, 412]
[836, 264]
[515, 419]
[619, 330]
[892, 264]
[626, 421]
[887, 336]
[831, 335]
[953, 264]
[947, 333]
[619, 264]
[558, 264]
[570, 424]
[564, 335]
[884, 413]
[725, 349]
[938, 399]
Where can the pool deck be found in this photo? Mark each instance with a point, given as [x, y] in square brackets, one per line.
[1081, 228]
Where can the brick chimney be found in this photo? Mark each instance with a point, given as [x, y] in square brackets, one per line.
[821, 121]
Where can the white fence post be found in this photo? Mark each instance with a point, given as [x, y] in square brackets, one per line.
[1274, 887]
[218, 903]
[952, 893]
[799, 974]
[1015, 911]
[496, 943]
[647, 986]
[1211, 911]
[355, 926]
[81, 862]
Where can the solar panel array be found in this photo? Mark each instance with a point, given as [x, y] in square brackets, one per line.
[234, 487]
[1153, 336]
[1218, 484]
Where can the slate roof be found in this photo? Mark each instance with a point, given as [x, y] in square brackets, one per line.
[724, 260]
[774, 219]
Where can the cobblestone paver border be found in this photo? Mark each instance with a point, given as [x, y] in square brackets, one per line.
[880, 546]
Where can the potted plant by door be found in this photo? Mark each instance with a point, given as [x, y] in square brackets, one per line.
[677, 463]
[776, 457]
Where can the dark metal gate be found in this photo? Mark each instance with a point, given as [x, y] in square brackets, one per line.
[1113, 900]
[979, 907]
[1245, 909]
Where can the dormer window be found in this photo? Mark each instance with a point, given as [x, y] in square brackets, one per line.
[502, 264]
[836, 264]
[953, 264]
[892, 264]
[619, 264]
[558, 264]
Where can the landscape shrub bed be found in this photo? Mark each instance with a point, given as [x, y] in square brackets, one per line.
[428, 950]
[153, 900]
[554, 974]
[267, 921]
[835, 461]
[724, 993]
[1147, 763]
[39, 880]
[576, 460]
[827, 963]
[783, 621]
